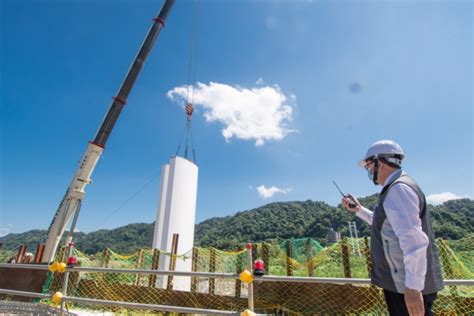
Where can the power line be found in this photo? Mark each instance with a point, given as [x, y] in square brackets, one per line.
[154, 175]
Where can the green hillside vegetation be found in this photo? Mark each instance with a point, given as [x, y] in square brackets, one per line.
[464, 249]
[283, 220]
[452, 220]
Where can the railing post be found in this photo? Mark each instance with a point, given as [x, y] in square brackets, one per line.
[266, 256]
[368, 257]
[249, 268]
[346, 263]
[238, 270]
[194, 267]
[289, 257]
[21, 253]
[138, 265]
[39, 253]
[174, 253]
[154, 266]
[212, 268]
[66, 276]
[309, 257]
[105, 258]
[105, 261]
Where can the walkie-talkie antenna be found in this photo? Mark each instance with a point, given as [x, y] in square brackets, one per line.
[351, 205]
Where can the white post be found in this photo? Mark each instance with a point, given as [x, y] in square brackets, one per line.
[66, 276]
[357, 239]
[352, 239]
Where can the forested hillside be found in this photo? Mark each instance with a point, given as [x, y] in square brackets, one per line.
[451, 220]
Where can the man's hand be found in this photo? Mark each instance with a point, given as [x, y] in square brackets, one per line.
[414, 302]
[350, 199]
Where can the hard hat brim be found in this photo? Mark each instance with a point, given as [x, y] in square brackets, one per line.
[362, 163]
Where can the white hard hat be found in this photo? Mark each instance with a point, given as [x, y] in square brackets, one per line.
[388, 149]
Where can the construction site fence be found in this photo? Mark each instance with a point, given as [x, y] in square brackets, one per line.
[309, 279]
[265, 285]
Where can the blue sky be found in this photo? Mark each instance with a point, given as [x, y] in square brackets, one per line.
[302, 88]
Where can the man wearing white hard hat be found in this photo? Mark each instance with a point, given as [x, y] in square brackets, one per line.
[405, 260]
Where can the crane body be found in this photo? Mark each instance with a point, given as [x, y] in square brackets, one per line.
[72, 200]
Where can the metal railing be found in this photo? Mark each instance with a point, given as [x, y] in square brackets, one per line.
[180, 309]
[163, 308]
[156, 307]
[217, 275]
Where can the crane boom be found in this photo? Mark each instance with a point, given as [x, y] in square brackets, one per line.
[74, 195]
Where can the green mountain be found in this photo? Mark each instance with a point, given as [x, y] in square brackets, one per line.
[280, 220]
[125, 239]
[451, 220]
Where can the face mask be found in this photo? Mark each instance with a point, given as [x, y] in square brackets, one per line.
[371, 177]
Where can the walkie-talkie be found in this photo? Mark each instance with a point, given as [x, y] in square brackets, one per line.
[351, 205]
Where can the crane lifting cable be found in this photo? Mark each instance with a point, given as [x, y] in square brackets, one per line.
[189, 107]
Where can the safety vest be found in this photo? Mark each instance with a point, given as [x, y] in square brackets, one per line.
[388, 269]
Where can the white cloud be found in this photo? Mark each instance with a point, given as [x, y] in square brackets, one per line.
[66, 231]
[443, 197]
[259, 81]
[5, 230]
[259, 114]
[267, 193]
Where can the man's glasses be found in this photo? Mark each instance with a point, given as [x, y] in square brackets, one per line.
[367, 165]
